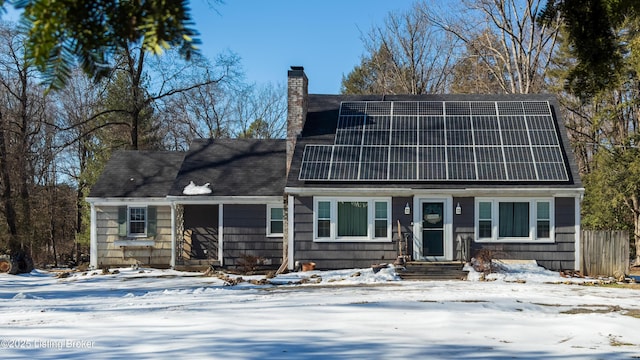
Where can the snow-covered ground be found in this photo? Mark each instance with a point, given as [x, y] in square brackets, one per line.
[525, 313]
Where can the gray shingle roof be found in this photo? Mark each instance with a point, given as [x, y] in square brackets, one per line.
[138, 174]
[322, 118]
[234, 167]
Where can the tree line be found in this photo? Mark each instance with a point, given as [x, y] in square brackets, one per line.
[54, 142]
[587, 53]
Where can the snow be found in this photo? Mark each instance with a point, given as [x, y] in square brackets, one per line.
[521, 312]
[193, 189]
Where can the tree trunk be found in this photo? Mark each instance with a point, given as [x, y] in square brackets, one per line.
[636, 237]
[8, 203]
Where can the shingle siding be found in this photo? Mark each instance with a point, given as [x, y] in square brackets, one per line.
[245, 236]
[340, 255]
[112, 255]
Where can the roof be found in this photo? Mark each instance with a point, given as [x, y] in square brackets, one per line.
[329, 131]
[131, 173]
[234, 167]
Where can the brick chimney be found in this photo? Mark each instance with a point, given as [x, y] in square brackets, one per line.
[297, 99]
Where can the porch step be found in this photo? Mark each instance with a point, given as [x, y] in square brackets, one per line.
[422, 270]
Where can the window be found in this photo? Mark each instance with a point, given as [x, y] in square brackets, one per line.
[323, 213]
[352, 219]
[515, 220]
[275, 220]
[137, 221]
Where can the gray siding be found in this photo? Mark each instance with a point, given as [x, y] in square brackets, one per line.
[559, 255]
[463, 225]
[245, 235]
[341, 255]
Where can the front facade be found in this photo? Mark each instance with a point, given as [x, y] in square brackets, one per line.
[359, 180]
[433, 178]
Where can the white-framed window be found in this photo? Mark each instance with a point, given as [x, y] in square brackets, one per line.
[275, 220]
[352, 219]
[137, 221]
[514, 219]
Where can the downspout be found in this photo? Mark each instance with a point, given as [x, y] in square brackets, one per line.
[578, 235]
[290, 219]
[220, 234]
[93, 236]
[173, 235]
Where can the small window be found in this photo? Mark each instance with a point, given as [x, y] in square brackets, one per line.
[543, 226]
[137, 221]
[324, 219]
[381, 220]
[485, 226]
[275, 220]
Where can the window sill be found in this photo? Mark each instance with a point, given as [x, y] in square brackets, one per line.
[515, 241]
[134, 243]
[275, 235]
[352, 240]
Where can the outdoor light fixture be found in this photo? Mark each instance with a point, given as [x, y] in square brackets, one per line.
[407, 209]
[458, 209]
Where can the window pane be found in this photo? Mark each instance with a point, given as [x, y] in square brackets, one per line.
[277, 213]
[543, 230]
[543, 210]
[513, 219]
[324, 210]
[352, 218]
[381, 228]
[381, 210]
[484, 229]
[276, 227]
[485, 210]
[137, 227]
[324, 228]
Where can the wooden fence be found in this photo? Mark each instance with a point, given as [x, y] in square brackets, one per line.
[605, 253]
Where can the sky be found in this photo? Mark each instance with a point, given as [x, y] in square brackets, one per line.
[323, 36]
[526, 312]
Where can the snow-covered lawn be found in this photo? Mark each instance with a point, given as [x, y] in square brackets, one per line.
[526, 313]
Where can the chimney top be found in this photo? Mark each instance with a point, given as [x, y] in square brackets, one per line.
[296, 71]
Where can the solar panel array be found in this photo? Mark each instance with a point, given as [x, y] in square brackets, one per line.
[439, 141]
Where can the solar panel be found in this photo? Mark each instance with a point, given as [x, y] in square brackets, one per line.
[439, 141]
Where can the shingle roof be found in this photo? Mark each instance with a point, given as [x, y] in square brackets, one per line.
[234, 167]
[138, 174]
[322, 121]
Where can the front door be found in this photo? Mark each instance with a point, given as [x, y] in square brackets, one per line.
[433, 230]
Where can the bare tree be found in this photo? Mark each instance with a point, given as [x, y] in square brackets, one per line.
[408, 54]
[24, 111]
[505, 36]
[263, 112]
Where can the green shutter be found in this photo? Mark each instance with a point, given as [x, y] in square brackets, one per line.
[122, 221]
[152, 221]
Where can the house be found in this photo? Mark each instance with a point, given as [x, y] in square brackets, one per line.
[359, 180]
[143, 213]
[456, 174]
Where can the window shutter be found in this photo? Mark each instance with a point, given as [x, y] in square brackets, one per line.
[152, 221]
[122, 221]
